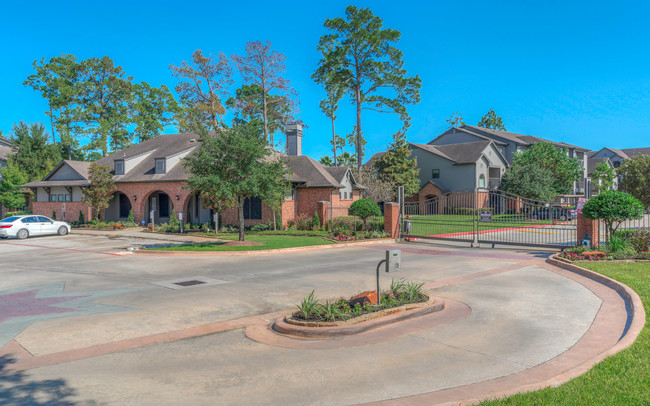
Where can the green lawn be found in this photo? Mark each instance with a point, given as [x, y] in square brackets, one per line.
[271, 242]
[622, 379]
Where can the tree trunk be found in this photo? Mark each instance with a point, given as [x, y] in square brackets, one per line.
[266, 126]
[241, 219]
[52, 124]
[275, 223]
[216, 222]
[334, 140]
[359, 151]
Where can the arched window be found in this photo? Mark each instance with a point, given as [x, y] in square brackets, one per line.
[481, 181]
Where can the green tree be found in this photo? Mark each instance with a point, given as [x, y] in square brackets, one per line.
[491, 120]
[564, 170]
[603, 176]
[33, 154]
[249, 101]
[101, 188]
[456, 120]
[10, 194]
[204, 83]
[378, 188]
[613, 207]
[397, 166]
[636, 178]
[263, 67]
[233, 165]
[346, 159]
[152, 110]
[529, 180]
[326, 160]
[364, 208]
[368, 67]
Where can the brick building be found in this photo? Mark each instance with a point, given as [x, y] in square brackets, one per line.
[151, 181]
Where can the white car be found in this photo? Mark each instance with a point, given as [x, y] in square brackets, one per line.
[27, 226]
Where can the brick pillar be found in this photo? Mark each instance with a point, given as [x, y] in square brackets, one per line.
[323, 210]
[587, 227]
[391, 219]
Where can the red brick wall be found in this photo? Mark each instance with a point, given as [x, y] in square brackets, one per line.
[142, 191]
[71, 210]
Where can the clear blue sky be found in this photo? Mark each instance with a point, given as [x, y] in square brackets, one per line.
[577, 72]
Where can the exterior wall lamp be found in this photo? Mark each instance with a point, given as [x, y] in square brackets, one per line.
[135, 198]
[177, 197]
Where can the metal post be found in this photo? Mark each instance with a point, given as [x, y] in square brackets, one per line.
[475, 221]
[153, 223]
[378, 266]
[400, 201]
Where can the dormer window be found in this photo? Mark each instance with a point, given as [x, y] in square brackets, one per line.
[119, 167]
[160, 166]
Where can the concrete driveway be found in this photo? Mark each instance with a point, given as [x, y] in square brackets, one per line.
[82, 323]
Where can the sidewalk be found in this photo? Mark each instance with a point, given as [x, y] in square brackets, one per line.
[146, 235]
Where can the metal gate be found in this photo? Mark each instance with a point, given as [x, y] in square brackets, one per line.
[488, 216]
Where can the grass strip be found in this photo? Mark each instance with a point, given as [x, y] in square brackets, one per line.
[270, 242]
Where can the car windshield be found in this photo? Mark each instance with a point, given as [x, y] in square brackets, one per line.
[9, 220]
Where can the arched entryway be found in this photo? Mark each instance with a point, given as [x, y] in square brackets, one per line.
[194, 211]
[118, 208]
[161, 205]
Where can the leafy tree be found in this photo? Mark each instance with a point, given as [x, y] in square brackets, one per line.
[106, 94]
[263, 68]
[10, 194]
[346, 159]
[205, 81]
[152, 109]
[33, 154]
[397, 166]
[564, 170]
[456, 120]
[603, 176]
[327, 161]
[367, 66]
[636, 178]
[101, 188]
[613, 207]
[248, 102]
[378, 188]
[529, 180]
[232, 166]
[364, 208]
[491, 120]
[275, 194]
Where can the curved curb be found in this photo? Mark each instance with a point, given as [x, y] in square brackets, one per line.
[568, 365]
[283, 327]
[257, 252]
[637, 313]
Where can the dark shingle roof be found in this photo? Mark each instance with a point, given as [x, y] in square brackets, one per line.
[337, 172]
[516, 138]
[632, 152]
[465, 153]
[315, 173]
[5, 152]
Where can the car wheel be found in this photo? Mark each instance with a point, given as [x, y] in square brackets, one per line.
[63, 230]
[22, 234]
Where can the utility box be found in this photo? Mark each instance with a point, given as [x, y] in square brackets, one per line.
[393, 260]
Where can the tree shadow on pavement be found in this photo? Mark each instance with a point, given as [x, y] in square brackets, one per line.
[16, 388]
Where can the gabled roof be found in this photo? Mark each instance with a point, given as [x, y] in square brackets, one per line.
[632, 152]
[6, 142]
[5, 152]
[164, 145]
[465, 153]
[521, 139]
[372, 161]
[80, 167]
[313, 172]
[337, 172]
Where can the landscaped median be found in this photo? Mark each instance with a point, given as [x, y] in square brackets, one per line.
[258, 243]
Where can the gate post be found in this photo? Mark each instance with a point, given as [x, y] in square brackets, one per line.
[391, 219]
[475, 243]
[322, 210]
[589, 228]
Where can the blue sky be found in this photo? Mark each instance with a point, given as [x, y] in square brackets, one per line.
[577, 72]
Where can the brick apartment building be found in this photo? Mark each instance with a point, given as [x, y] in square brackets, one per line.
[150, 178]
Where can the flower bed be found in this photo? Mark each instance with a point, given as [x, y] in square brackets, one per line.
[311, 312]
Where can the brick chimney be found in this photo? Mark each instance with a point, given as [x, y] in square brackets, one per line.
[294, 139]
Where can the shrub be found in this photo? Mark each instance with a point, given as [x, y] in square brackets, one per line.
[613, 207]
[308, 306]
[17, 213]
[364, 208]
[53, 215]
[129, 218]
[639, 239]
[81, 219]
[315, 221]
